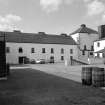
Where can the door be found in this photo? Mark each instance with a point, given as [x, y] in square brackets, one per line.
[52, 59]
[21, 60]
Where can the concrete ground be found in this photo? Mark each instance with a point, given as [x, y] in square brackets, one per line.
[40, 86]
[59, 69]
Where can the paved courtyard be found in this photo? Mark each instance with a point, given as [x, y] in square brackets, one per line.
[48, 85]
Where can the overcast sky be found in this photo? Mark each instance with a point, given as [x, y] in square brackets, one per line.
[51, 16]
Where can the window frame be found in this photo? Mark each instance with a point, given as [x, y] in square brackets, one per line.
[43, 50]
[62, 51]
[62, 58]
[32, 50]
[20, 50]
[52, 50]
[71, 51]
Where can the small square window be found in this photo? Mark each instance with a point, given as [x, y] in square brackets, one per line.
[98, 44]
[62, 58]
[71, 51]
[91, 53]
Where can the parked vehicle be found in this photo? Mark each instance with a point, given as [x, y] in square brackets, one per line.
[51, 61]
[40, 61]
[32, 61]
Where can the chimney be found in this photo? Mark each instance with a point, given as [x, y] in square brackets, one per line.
[41, 33]
[64, 34]
[101, 31]
[18, 31]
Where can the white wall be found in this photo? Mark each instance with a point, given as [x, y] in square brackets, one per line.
[76, 37]
[12, 57]
[102, 45]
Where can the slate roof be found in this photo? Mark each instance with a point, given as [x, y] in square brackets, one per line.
[84, 29]
[41, 38]
[99, 39]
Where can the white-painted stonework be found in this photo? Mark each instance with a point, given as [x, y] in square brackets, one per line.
[13, 55]
[99, 45]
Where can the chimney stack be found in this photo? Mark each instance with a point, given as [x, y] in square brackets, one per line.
[41, 33]
[101, 31]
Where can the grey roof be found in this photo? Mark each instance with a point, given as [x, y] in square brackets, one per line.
[99, 39]
[84, 29]
[41, 38]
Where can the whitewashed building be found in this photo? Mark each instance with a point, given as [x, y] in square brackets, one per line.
[99, 45]
[85, 38]
[38, 46]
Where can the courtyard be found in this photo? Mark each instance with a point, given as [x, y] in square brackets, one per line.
[51, 84]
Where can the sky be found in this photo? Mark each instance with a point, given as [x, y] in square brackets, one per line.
[50, 16]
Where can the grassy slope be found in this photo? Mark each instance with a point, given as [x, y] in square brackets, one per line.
[30, 87]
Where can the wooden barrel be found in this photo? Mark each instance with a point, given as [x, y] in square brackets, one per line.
[86, 75]
[98, 77]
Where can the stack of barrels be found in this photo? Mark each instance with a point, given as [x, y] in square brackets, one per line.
[94, 76]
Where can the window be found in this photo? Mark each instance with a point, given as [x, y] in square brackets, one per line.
[20, 50]
[92, 48]
[98, 44]
[91, 53]
[52, 50]
[43, 50]
[32, 50]
[71, 57]
[83, 52]
[71, 51]
[62, 51]
[85, 47]
[62, 58]
[7, 50]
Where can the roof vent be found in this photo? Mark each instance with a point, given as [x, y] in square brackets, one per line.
[41, 33]
[83, 25]
[64, 34]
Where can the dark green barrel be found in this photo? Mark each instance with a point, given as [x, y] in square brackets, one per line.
[86, 75]
[98, 77]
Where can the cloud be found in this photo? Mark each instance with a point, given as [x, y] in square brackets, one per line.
[53, 5]
[103, 17]
[87, 1]
[50, 5]
[95, 7]
[10, 19]
[8, 22]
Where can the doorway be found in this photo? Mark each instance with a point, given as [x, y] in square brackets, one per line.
[21, 60]
[52, 59]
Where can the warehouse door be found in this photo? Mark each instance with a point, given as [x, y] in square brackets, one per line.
[21, 60]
